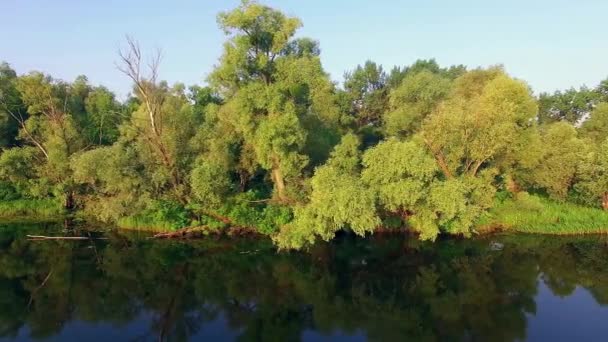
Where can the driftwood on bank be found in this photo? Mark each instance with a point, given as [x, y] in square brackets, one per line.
[42, 237]
[181, 233]
[199, 231]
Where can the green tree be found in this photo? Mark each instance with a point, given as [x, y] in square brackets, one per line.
[414, 99]
[104, 116]
[561, 153]
[408, 185]
[596, 126]
[483, 116]
[591, 181]
[12, 109]
[52, 130]
[367, 93]
[339, 200]
[275, 93]
[571, 105]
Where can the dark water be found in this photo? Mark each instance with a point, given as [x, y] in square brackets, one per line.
[128, 288]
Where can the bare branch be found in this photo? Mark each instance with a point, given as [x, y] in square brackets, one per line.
[21, 121]
[151, 97]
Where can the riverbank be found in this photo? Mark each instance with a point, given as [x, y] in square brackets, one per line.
[524, 214]
[31, 210]
[536, 215]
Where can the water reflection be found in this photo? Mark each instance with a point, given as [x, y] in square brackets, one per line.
[381, 289]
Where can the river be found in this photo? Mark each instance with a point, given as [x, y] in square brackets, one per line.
[383, 288]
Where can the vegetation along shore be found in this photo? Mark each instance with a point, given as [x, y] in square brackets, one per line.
[271, 145]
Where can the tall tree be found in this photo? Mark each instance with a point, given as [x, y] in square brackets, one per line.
[562, 151]
[596, 126]
[11, 106]
[151, 120]
[413, 100]
[366, 88]
[591, 181]
[338, 200]
[571, 105]
[273, 86]
[484, 115]
[51, 129]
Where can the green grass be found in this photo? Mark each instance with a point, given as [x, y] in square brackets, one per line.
[26, 209]
[144, 223]
[533, 214]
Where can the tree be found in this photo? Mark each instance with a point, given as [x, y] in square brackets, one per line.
[11, 106]
[51, 129]
[397, 74]
[596, 126]
[414, 99]
[338, 200]
[591, 181]
[558, 164]
[483, 116]
[104, 116]
[366, 89]
[407, 183]
[571, 105]
[160, 136]
[275, 91]
[400, 175]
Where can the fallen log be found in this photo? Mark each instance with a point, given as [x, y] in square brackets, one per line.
[198, 231]
[179, 234]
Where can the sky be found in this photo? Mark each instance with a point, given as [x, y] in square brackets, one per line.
[551, 44]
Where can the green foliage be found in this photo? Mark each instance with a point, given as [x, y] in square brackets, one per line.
[591, 182]
[338, 200]
[570, 105]
[485, 115]
[532, 214]
[561, 153]
[271, 144]
[10, 105]
[210, 183]
[406, 180]
[28, 209]
[596, 126]
[104, 116]
[159, 215]
[8, 192]
[366, 89]
[413, 100]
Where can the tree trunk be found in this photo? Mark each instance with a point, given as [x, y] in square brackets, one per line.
[279, 183]
[243, 178]
[69, 201]
[605, 201]
[511, 185]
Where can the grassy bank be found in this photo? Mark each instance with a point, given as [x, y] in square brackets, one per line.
[31, 210]
[145, 224]
[524, 214]
[536, 215]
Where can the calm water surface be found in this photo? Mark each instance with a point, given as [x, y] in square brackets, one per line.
[128, 288]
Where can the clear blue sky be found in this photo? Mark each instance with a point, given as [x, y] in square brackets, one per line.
[552, 44]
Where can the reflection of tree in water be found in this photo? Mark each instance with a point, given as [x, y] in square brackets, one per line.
[386, 288]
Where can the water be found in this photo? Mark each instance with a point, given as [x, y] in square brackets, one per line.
[387, 288]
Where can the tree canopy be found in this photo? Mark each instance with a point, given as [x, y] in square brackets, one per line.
[270, 143]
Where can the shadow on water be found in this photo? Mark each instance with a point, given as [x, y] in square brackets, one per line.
[381, 288]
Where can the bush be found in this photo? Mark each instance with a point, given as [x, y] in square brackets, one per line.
[8, 192]
[533, 214]
[245, 210]
[160, 215]
[32, 209]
